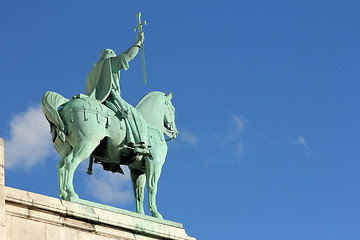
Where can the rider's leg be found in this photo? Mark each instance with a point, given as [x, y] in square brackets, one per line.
[118, 104]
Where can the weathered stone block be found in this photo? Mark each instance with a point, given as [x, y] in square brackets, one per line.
[54, 232]
[2, 191]
[33, 216]
[27, 230]
[69, 233]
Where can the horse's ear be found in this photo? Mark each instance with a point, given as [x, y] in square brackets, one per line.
[169, 96]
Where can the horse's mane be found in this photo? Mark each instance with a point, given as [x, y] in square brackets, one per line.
[151, 109]
[147, 97]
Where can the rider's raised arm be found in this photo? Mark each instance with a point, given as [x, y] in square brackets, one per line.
[133, 50]
[121, 61]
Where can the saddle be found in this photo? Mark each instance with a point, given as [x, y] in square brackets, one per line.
[129, 152]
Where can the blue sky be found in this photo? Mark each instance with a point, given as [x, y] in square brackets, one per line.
[267, 106]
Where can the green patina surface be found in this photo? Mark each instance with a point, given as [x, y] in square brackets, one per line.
[103, 126]
[126, 212]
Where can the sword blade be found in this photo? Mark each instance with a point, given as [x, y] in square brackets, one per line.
[143, 61]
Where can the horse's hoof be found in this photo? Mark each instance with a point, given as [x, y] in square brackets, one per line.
[141, 212]
[63, 195]
[157, 215]
[72, 197]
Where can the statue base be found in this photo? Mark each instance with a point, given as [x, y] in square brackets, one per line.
[30, 216]
[33, 216]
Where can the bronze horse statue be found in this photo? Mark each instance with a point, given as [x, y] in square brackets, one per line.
[83, 127]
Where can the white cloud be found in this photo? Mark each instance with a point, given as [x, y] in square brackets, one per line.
[30, 140]
[110, 188]
[237, 127]
[188, 137]
[233, 137]
[238, 149]
[230, 142]
[239, 122]
[301, 141]
[207, 162]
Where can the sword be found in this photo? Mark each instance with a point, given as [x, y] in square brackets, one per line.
[139, 26]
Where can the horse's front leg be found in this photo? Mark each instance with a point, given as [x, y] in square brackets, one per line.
[153, 171]
[138, 181]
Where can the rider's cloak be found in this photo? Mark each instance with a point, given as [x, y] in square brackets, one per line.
[104, 76]
[103, 79]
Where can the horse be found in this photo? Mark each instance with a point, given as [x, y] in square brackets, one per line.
[83, 127]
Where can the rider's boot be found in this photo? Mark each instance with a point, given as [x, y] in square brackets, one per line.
[142, 149]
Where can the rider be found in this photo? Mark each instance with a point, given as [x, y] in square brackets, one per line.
[102, 83]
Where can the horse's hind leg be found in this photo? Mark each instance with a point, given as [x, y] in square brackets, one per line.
[65, 152]
[80, 152]
[61, 174]
[138, 181]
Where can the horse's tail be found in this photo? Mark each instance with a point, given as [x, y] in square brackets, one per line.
[50, 102]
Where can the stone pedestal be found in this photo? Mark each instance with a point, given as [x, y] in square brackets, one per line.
[2, 191]
[30, 216]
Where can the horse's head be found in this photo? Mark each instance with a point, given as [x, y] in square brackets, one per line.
[169, 118]
[156, 108]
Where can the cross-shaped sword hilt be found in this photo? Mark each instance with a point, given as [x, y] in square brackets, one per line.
[139, 26]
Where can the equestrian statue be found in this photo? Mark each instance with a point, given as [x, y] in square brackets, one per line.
[103, 127]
